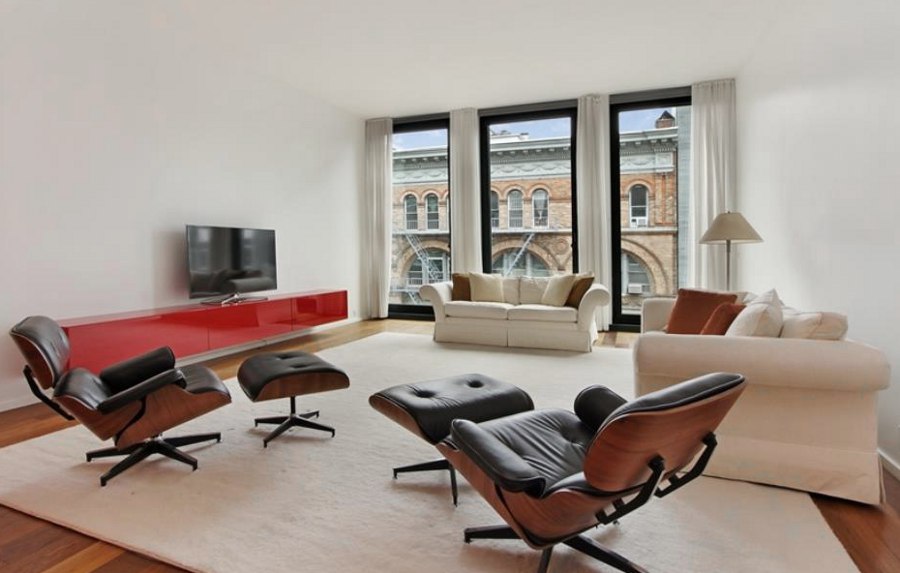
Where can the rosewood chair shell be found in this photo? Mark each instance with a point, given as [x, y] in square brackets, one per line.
[132, 402]
[635, 448]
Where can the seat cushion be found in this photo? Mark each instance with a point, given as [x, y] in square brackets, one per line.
[542, 312]
[427, 408]
[553, 442]
[466, 309]
[284, 374]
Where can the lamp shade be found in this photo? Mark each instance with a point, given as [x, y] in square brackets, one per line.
[732, 227]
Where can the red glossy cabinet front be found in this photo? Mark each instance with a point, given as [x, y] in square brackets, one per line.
[319, 309]
[97, 342]
[240, 323]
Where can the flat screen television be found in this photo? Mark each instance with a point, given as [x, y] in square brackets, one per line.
[225, 262]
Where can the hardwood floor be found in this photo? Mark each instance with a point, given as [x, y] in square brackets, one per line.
[870, 534]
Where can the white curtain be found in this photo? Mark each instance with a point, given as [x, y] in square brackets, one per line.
[376, 251]
[713, 174]
[592, 181]
[465, 196]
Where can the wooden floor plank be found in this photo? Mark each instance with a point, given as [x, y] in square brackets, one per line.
[90, 558]
[871, 535]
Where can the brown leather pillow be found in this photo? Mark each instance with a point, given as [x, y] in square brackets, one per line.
[461, 289]
[693, 308]
[582, 283]
[722, 318]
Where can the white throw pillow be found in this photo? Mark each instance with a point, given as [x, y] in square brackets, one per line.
[486, 288]
[761, 317]
[558, 290]
[814, 325]
[511, 290]
[531, 289]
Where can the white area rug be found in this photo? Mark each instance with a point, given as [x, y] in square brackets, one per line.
[312, 503]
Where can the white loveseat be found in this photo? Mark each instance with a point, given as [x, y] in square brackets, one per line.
[808, 419]
[515, 321]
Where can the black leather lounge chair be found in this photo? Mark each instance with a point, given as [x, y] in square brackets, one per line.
[133, 402]
[553, 474]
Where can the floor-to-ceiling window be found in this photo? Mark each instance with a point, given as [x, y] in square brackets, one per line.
[420, 232]
[528, 191]
[651, 142]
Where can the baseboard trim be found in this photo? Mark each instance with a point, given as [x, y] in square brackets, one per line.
[890, 464]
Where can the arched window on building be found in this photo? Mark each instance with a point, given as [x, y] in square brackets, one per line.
[495, 210]
[517, 263]
[637, 210]
[432, 216]
[540, 202]
[635, 276]
[412, 215]
[431, 267]
[514, 206]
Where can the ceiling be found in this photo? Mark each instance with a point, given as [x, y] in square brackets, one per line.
[404, 57]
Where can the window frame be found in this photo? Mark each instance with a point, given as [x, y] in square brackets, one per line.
[487, 117]
[520, 217]
[437, 211]
[674, 97]
[409, 125]
[534, 219]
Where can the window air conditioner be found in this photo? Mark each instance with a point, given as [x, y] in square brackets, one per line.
[635, 288]
[639, 221]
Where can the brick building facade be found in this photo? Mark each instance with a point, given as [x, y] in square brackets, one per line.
[531, 212]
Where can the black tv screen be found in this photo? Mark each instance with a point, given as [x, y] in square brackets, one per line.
[228, 260]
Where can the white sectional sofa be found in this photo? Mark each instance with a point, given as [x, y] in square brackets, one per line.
[808, 419]
[516, 321]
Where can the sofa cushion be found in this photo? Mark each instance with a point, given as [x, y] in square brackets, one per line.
[469, 309]
[722, 318]
[461, 289]
[693, 308]
[814, 325]
[583, 281]
[531, 289]
[542, 312]
[511, 290]
[558, 289]
[761, 317]
[486, 288]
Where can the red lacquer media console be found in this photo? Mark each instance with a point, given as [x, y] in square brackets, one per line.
[98, 341]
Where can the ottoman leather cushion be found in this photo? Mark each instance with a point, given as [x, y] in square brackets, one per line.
[284, 374]
[427, 408]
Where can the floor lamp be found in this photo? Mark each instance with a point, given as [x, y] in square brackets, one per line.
[729, 228]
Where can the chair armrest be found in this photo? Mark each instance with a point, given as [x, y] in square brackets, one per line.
[142, 389]
[655, 313]
[502, 465]
[597, 295]
[437, 294]
[134, 370]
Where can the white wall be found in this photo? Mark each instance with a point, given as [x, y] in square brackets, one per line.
[118, 127]
[819, 171]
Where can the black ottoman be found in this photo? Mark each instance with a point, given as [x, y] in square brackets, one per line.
[288, 375]
[427, 408]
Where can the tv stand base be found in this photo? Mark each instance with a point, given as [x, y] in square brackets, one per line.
[231, 299]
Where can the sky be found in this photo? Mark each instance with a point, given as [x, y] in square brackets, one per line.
[538, 129]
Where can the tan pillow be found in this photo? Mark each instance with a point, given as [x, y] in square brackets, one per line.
[761, 317]
[531, 289]
[461, 289]
[486, 288]
[583, 282]
[558, 290]
[814, 325]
